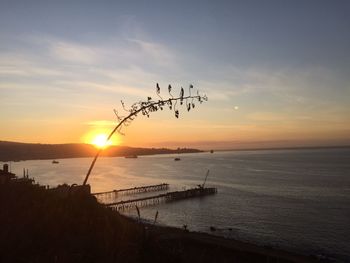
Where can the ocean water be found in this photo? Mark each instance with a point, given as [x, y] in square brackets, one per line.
[297, 200]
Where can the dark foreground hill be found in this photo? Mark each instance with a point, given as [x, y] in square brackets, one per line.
[39, 225]
[14, 151]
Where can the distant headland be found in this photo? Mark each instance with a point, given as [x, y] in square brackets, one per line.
[16, 151]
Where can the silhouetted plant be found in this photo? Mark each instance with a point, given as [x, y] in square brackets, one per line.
[138, 213]
[155, 218]
[149, 106]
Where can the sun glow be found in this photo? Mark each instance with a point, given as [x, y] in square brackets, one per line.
[100, 141]
[98, 138]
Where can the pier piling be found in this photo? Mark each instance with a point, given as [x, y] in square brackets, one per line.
[167, 197]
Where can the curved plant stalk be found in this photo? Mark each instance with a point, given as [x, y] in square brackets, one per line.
[145, 108]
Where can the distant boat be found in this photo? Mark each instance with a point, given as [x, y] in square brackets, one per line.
[54, 161]
[131, 156]
[177, 159]
[211, 151]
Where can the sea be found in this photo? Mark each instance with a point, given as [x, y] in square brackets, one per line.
[297, 200]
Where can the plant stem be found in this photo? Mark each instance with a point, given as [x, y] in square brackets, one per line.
[133, 113]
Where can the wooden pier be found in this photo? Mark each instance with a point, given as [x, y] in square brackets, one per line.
[133, 190]
[167, 197]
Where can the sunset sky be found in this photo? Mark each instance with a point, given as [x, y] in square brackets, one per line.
[277, 73]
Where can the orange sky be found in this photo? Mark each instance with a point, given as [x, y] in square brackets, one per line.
[206, 127]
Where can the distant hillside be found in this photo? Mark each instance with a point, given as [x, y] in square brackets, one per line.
[14, 151]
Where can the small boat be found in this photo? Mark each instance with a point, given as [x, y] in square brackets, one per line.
[177, 159]
[131, 156]
[211, 151]
[55, 162]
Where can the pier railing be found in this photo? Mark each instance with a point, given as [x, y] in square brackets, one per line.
[167, 197]
[131, 191]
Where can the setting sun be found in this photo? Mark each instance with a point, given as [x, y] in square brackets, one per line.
[100, 141]
[98, 138]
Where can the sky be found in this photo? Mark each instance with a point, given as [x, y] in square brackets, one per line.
[277, 73]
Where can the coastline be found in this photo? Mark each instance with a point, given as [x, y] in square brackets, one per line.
[14, 151]
[192, 246]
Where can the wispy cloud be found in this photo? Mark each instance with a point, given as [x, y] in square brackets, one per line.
[122, 51]
[122, 66]
[104, 88]
[268, 116]
[103, 123]
[304, 86]
[154, 52]
[28, 71]
[24, 65]
[75, 53]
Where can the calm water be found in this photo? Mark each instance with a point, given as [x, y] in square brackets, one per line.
[293, 199]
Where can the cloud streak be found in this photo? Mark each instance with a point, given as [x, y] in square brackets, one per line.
[102, 123]
[74, 53]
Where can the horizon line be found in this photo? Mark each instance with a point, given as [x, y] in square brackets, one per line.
[201, 148]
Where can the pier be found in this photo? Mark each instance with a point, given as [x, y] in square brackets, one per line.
[133, 190]
[167, 197]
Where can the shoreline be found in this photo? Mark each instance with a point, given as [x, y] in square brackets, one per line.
[13, 151]
[16, 151]
[229, 247]
[102, 156]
